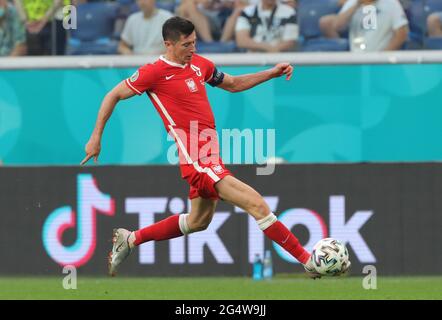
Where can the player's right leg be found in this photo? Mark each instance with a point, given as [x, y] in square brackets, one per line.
[242, 195]
[124, 241]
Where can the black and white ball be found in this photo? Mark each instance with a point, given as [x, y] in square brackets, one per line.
[330, 257]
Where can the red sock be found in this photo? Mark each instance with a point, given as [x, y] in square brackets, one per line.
[282, 236]
[165, 229]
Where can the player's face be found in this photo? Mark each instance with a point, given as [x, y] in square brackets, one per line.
[183, 49]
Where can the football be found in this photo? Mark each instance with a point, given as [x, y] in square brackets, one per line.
[330, 257]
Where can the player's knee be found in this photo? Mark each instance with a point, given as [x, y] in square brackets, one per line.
[260, 209]
[200, 226]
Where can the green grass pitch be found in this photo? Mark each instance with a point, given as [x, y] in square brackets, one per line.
[221, 288]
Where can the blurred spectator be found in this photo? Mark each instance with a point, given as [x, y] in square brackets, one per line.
[434, 22]
[405, 4]
[208, 16]
[44, 25]
[142, 33]
[327, 23]
[291, 3]
[267, 27]
[388, 31]
[228, 32]
[12, 31]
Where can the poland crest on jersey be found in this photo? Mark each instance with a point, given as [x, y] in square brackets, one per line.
[218, 169]
[191, 85]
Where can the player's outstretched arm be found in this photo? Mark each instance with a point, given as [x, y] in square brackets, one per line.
[93, 147]
[247, 81]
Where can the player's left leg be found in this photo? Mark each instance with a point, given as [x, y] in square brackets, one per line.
[201, 214]
[242, 195]
[198, 219]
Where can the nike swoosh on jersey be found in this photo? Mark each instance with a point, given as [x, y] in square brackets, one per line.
[170, 77]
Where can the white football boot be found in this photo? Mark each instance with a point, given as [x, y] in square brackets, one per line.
[310, 270]
[345, 267]
[120, 249]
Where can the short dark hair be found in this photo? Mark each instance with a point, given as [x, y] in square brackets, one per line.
[174, 27]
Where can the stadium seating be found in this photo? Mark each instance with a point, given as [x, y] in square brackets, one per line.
[95, 29]
[417, 23]
[309, 13]
[125, 2]
[433, 43]
[216, 47]
[125, 8]
[322, 44]
[417, 13]
[165, 5]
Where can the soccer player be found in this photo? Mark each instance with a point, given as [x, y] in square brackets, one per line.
[175, 84]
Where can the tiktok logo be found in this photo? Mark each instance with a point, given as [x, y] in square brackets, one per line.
[90, 201]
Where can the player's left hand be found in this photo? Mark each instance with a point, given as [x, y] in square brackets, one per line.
[283, 68]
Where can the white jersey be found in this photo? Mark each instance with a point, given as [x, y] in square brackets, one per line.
[145, 35]
[372, 26]
[267, 25]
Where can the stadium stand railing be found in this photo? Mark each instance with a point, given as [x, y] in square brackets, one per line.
[234, 59]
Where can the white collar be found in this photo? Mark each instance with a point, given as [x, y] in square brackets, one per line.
[173, 64]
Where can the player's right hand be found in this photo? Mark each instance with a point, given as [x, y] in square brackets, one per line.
[93, 148]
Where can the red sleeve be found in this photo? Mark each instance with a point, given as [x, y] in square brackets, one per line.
[142, 80]
[209, 68]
